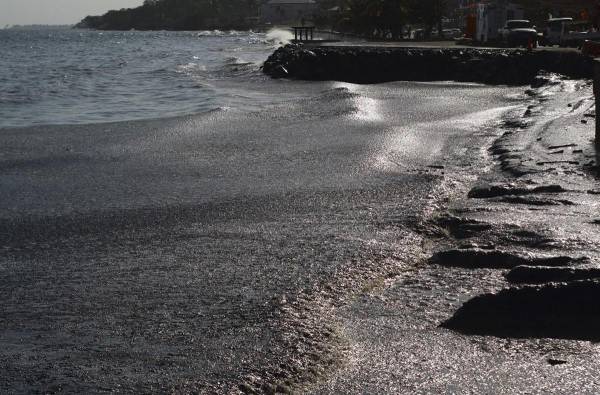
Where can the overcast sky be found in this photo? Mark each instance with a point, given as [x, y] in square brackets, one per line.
[56, 12]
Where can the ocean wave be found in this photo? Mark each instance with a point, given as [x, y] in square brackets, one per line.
[149, 74]
[234, 60]
[279, 37]
[190, 68]
[16, 99]
[221, 33]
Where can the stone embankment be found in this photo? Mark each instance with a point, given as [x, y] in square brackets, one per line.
[377, 64]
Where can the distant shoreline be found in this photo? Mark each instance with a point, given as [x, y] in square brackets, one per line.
[37, 27]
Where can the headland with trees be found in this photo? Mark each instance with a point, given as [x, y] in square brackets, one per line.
[380, 19]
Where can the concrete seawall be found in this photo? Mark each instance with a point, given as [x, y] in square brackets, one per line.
[378, 64]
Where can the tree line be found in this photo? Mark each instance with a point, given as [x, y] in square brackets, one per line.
[178, 15]
[388, 18]
[368, 18]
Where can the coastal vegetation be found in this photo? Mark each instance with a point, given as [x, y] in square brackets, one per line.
[388, 18]
[379, 19]
[369, 18]
[178, 15]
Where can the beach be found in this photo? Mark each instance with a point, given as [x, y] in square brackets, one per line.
[280, 240]
[399, 343]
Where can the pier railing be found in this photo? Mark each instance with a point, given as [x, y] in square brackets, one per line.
[303, 33]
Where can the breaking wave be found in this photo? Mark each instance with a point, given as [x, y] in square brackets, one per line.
[279, 37]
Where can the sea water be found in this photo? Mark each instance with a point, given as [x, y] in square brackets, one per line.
[64, 76]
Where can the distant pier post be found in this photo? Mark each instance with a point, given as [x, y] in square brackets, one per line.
[303, 33]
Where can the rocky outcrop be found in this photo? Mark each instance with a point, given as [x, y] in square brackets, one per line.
[380, 64]
[565, 311]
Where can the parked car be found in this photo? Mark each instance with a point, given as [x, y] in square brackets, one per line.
[554, 30]
[452, 33]
[575, 33]
[519, 32]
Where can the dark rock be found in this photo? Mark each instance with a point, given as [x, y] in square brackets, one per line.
[247, 389]
[515, 124]
[528, 239]
[476, 258]
[555, 162]
[491, 191]
[283, 389]
[268, 389]
[541, 275]
[534, 201]
[280, 72]
[562, 146]
[555, 362]
[540, 80]
[564, 311]
[309, 53]
[481, 247]
[463, 228]
[376, 64]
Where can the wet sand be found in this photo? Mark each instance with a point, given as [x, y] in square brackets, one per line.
[218, 252]
[520, 341]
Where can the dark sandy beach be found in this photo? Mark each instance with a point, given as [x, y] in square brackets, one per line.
[291, 248]
[199, 252]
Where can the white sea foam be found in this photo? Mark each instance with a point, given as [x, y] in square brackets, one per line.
[279, 36]
[190, 68]
[211, 33]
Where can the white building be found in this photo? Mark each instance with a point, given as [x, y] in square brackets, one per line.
[492, 16]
